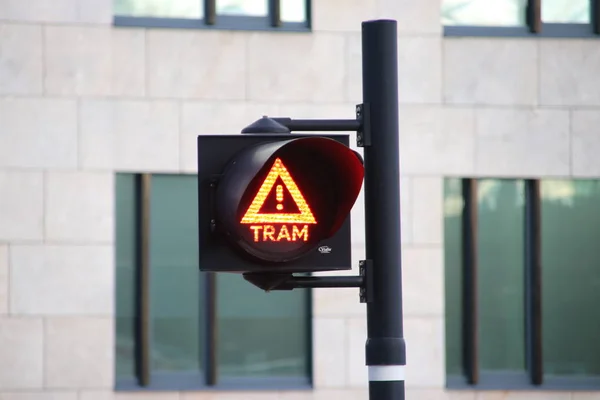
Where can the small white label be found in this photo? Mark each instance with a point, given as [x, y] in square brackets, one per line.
[324, 249]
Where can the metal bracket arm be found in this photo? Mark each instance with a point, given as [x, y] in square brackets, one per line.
[271, 282]
[311, 125]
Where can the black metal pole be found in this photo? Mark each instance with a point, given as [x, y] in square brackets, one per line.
[385, 348]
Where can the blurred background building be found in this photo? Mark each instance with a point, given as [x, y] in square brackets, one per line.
[101, 102]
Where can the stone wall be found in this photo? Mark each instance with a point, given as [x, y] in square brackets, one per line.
[80, 99]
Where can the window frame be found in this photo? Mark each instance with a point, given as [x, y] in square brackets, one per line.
[534, 26]
[144, 380]
[532, 377]
[211, 20]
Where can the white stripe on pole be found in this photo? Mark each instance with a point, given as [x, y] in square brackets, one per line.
[386, 372]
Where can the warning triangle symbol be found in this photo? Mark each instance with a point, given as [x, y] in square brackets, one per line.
[253, 215]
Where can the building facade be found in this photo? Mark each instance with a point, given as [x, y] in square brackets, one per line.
[100, 107]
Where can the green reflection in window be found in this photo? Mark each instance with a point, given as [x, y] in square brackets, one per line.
[501, 284]
[255, 8]
[192, 9]
[566, 11]
[176, 300]
[125, 275]
[570, 277]
[453, 211]
[261, 334]
[484, 12]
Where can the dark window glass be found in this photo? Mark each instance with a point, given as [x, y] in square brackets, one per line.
[125, 275]
[261, 334]
[175, 288]
[484, 12]
[566, 11]
[290, 10]
[453, 210]
[193, 9]
[501, 285]
[570, 277]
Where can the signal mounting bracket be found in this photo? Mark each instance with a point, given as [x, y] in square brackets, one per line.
[363, 134]
[287, 281]
[213, 181]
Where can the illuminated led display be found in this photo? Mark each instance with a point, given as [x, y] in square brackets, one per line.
[262, 224]
[265, 233]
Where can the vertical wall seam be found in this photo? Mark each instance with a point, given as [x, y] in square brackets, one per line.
[43, 34]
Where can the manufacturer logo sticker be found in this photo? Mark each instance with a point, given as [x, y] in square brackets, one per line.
[324, 249]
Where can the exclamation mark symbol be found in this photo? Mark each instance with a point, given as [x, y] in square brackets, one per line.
[279, 195]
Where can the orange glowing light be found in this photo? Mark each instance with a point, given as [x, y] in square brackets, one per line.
[279, 197]
[266, 233]
[252, 216]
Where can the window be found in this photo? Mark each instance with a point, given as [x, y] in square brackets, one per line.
[291, 15]
[180, 329]
[554, 18]
[522, 283]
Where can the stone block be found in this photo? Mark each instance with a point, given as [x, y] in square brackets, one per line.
[308, 68]
[94, 61]
[61, 280]
[38, 133]
[4, 271]
[439, 394]
[585, 396]
[419, 70]
[342, 15]
[337, 303]
[130, 135]
[95, 11]
[569, 73]
[436, 141]
[21, 353]
[406, 211]
[79, 353]
[199, 64]
[97, 136]
[21, 205]
[303, 110]
[39, 10]
[54, 395]
[523, 395]
[358, 376]
[111, 395]
[21, 66]
[79, 207]
[353, 67]
[585, 143]
[483, 71]
[57, 11]
[423, 281]
[427, 210]
[128, 61]
[414, 17]
[346, 394]
[199, 118]
[245, 395]
[519, 142]
[330, 357]
[425, 357]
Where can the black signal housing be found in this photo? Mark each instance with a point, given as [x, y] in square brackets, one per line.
[276, 202]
